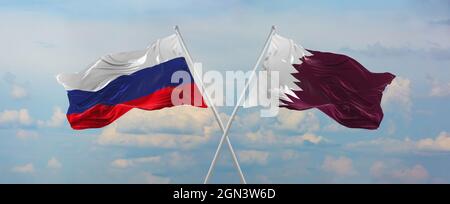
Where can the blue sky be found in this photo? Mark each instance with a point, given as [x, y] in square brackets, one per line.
[43, 38]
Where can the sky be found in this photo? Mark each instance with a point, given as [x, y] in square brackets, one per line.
[40, 39]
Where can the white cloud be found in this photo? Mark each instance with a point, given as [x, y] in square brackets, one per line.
[253, 157]
[152, 179]
[178, 127]
[384, 144]
[269, 138]
[341, 166]
[24, 169]
[179, 160]
[188, 127]
[261, 137]
[57, 119]
[18, 92]
[439, 89]
[399, 93]
[15, 118]
[415, 174]
[173, 160]
[26, 134]
[149, 178]
[54, 163]
[122, 163]
[289, 128]
[334, 127]
[289, 155]
[182, 119]
[299, 121]
[110, 136]
[383, 172]
[440, 143]
[22, 118]
[377, 169]
[307, 137]
[126, 163]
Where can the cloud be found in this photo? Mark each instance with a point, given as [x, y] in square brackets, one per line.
[382, 172]
[289, 128]
[261, 137]
[381, 51]
[290, 154]
[341, 166]
[265, 138]
[149, 178]
[24, 169]
[253, 157]
[22, 118]
[439, 89]
[411, 175]
[308, 137]
[333, 126]
[173, 160]
[178, 127]
[18, 91]
[9, 77]
[126, 163]
[57, 119]
[122, 163]
[384, 144]
[179, 119]
[399, 93]
[439, 144]
[15, 118]
[299, 121]
[110, 136]
[179, 160]
[54, 163]
[377, 169]
[25, 134]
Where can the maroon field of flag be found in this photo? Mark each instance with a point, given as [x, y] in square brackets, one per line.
[336, 84]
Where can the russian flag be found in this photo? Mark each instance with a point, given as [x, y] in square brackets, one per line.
[117, 83]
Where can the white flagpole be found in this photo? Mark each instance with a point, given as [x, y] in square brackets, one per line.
[213, 108]
[233, 114]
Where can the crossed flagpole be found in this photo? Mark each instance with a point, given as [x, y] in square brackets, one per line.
[213, 108]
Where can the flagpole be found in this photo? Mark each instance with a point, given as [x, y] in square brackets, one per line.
[233, 114]
[213, 108]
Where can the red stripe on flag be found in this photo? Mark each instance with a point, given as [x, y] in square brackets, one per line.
[102, 115]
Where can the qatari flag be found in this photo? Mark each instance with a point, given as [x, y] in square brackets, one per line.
[336, 84]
